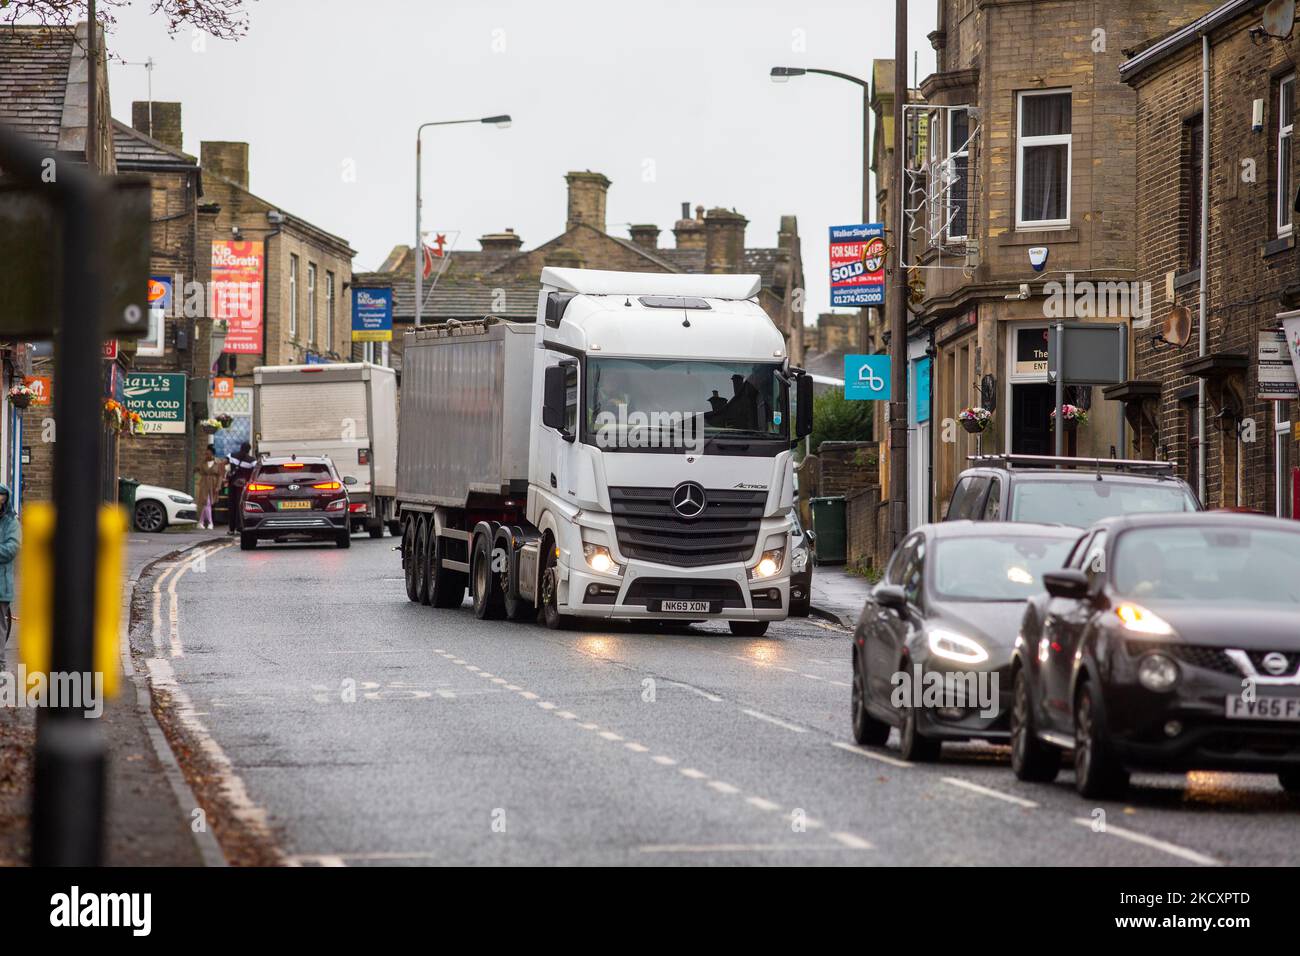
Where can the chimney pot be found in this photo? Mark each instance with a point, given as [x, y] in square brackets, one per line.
[587, 192]
[166, 121]
[226, 159]
[645, 235]
[724, 241]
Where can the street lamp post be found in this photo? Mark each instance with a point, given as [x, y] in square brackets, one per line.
[500, 122]
[782, 74]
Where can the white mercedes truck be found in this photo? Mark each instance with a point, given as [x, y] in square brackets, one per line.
[346, 411]
[628, 455]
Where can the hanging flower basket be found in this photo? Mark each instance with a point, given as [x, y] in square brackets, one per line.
[1073, 416]
[21, 395]
[975, 420]
[114, 415]
[225, 420]
[209, 426]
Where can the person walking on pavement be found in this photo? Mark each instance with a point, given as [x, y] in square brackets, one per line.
[10, 540]
[241, 468]
[209, 472]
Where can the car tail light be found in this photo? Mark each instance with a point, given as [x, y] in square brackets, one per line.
[254, 486]
[359, 506]
[292, 464]
[328, 485]
[252, 506]
[338, 504]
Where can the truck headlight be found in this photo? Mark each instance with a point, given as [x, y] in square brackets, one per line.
[600, 560]
[768, 565]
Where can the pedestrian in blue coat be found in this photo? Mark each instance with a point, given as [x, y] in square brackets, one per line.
[10, 538]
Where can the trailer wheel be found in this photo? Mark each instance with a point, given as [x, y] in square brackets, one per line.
[488, 600]
[410, 565]
[422, 560]
[446, 587]
[376, 530]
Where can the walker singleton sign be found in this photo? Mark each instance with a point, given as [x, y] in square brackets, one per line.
[159, 397]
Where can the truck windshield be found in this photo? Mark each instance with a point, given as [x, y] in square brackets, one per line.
[631, 397]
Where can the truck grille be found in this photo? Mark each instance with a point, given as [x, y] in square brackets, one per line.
[649, 529]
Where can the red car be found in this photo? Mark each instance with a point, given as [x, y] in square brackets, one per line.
[295, 497]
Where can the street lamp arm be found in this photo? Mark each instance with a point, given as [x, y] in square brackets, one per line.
[782, 73]
[843, 76]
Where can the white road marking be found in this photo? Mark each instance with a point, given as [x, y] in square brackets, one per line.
[692, 773]
[470, 667]
[666, 761]
[589, 726]
[528, 695]
[812, 823]
[751, 847]
[610, 735]
[514, 687]
[851, 840]
[870, 754]
[1172, 849]
[810, 676]
[546, 705]
[636, 748]
[775, 720]
[989, 792]
[498, 680]
[721, 787]
[695, 690]
[566, 714]
[449, 695]
[762, 804]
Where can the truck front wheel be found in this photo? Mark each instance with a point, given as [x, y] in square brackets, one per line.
[551, 615]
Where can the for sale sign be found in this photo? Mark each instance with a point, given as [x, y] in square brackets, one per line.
[858, 264]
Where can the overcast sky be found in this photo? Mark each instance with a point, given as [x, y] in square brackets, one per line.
[670, 100]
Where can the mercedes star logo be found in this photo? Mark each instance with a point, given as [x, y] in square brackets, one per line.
[688, 500]
[1276, 664]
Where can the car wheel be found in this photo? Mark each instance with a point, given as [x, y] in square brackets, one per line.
[1096, 771]
[748, 628]
[912, 745]
[1290, 780]
[489, 602]
[343, 539]
[247, 542]
[867, 731]
[410, 566]
[1031, 759]
[150, 516]
[422, 559]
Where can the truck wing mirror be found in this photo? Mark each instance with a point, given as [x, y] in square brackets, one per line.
[349, 479]
[555, 399]
[803, 405]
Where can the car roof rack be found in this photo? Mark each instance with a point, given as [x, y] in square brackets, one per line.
[1135, 466]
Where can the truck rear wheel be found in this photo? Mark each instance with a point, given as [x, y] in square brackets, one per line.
[410, 566]
[422, 559]
[489, 602]
[376, 530]
[446, 587]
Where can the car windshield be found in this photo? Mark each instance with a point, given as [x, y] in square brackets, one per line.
[1220, 564]
[287, 474]
[1082, 502]
[730, 399]
[996, 568]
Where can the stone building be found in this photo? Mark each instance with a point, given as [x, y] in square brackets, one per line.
[1252, 270]
[1025, 142]
[501, 277]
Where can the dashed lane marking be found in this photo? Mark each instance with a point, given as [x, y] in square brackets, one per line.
[990, 792]
[774, 720]
[1172, 849]
[870, 754]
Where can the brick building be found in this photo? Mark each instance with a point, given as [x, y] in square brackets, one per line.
[1252, 268]
[1025, 141]
[501, 277]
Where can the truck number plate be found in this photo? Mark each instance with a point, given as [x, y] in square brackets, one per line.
[685, 607]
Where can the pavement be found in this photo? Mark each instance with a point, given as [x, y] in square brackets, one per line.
[838, 594]
[324, 720]
[146, 823]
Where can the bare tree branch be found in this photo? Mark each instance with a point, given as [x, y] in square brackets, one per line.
[220, 19]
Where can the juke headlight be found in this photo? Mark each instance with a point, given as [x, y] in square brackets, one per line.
[1138, 620]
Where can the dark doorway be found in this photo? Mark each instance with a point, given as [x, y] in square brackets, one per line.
[1031, 409]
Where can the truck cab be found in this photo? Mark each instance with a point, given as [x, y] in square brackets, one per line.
[661, 481]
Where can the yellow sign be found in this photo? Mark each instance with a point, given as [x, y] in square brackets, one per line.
[36, 591]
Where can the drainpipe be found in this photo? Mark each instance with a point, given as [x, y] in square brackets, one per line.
[1203, 294]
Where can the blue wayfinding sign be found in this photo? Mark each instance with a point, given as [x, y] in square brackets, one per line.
[866, 377]
[372, 315]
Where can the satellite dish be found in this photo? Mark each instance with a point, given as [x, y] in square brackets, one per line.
[1177, 327]
[1279, 18]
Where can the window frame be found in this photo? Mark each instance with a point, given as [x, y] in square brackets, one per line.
[954, 154]
[1283, 169]
[311, 303]
[1024, 142]
[293, 296]
[329, 311]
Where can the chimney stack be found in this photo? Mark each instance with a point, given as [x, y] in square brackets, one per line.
[689, 232]
[500, 241]
[645, 235]
[228, 160]
[166, 121]
[724, 241]
[586, 199]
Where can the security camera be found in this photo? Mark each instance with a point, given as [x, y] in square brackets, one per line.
[274, 217]
[1019, 296]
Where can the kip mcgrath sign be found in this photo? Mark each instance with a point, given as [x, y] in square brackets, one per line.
[858, 264]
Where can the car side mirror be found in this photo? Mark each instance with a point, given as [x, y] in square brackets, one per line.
[554, 398]
[803, 405]
[890, 596]
[811, 535]
[1066, 583]
[349, 479]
